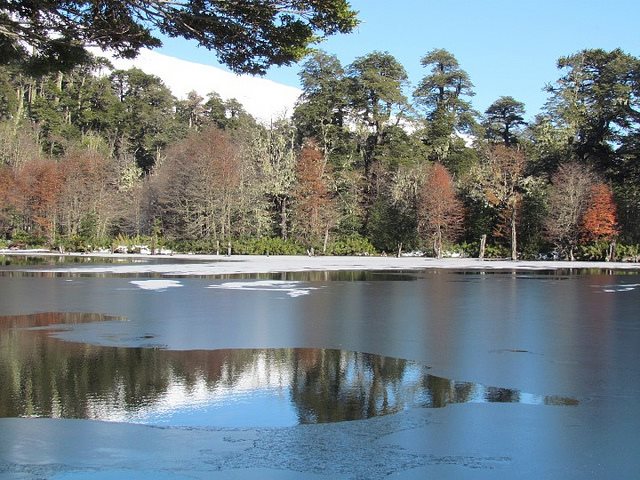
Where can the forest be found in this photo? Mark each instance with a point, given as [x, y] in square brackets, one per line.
[97, 158]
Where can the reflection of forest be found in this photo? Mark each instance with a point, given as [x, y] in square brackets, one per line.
[334, 385]
[42, 376]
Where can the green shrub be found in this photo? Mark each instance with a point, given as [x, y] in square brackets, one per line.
[266, 246]
[496, 251]
[351, 245]
[453, 250]
[200, 246]
[598, 251]
[628, 253]
[22, 239]
[74, 243]
[472, 250]
[467, 249]
[593, 251]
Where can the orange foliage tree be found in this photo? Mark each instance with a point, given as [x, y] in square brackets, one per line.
[313, 200]
[7, 200]
[195, 190]
[38, 188]
[599, 221]
[440, 212]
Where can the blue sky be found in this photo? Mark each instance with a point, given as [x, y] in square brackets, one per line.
[508, 47]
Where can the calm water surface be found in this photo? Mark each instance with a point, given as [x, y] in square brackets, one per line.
[209, 352]
[282, 350]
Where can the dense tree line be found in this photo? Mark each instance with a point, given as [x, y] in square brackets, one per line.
[93, 156]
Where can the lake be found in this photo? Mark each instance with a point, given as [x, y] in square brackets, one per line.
[455, 374]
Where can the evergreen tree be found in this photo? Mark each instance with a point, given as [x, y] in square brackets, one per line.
[377, 104]
[322, 108]
[598, 99]
[441, 95]
[144, 115]
[503, 119]
[247, 36]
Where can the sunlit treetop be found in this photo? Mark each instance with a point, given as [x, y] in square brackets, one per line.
[247, 35]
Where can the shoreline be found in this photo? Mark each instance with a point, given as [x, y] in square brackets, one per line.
[247, 264]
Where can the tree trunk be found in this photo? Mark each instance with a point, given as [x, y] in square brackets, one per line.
[58, 93]
[483, 244]
[283, 217]
[326, 241]
[611, 256]
[514, 240]
[438, 244]
[20, 106]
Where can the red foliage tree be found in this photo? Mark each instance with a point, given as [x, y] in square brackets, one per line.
[599, 221]
[313, 201]
[39, 186]
[7, 199]
[440, 212]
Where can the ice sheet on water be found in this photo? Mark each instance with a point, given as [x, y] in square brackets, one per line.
[620, 288]
[291, 288]
[156, 284]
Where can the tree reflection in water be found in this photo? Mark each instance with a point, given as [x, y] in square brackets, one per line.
[42, 376]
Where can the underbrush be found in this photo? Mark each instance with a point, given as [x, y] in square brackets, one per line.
[351, 245]
[354, 245]
[601, 251]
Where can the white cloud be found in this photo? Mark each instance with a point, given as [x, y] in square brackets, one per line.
[264, 99]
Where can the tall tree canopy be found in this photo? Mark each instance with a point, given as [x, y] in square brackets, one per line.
[376, 82]
[441, 94]
[376, 105]
[598, 99]
[443, 88]
[247, 35]
[503, 118]
[143, 115]
[321, 109]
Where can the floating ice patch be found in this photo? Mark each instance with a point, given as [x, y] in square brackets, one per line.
[621, 288]
[291, 288]
[156, 284]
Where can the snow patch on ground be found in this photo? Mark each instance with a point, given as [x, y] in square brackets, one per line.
[204, 265]
[291, 288]
[156, 284]
[24, 251]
